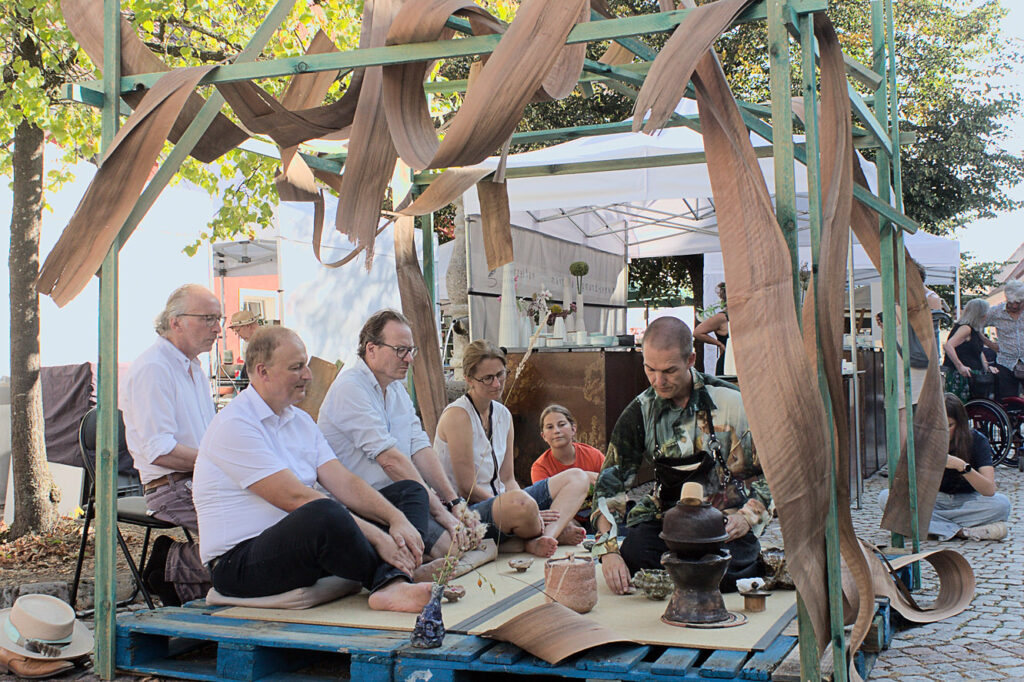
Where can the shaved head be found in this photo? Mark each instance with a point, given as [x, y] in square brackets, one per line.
[669, 332]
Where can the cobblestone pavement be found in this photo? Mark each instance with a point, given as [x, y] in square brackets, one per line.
[985, 642]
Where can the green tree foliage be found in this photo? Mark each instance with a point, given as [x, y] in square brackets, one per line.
[38, 56]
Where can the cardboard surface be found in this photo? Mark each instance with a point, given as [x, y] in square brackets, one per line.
[632, 617]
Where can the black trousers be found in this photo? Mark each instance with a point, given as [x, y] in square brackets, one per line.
[1007, 385]
[318, 539]
[642, 548]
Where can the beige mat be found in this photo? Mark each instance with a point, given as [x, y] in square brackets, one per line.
[632, 616]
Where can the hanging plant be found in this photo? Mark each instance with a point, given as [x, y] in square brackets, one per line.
[579, 270]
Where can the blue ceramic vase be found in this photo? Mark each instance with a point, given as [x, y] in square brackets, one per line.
[429, 630]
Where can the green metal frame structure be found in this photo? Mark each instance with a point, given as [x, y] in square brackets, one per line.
[785, 19]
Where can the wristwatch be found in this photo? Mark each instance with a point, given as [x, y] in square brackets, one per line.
[451, 504]
[967, 469]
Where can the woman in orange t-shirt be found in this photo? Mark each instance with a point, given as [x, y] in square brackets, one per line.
[558, 428]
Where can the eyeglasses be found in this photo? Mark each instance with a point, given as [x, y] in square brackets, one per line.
[491, 378]
[210, 320]
[402, 352]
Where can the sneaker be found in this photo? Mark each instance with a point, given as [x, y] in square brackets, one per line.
[990, 531]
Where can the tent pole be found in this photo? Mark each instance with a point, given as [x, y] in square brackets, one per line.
[855, 378]
[832, 557]
[107, 431]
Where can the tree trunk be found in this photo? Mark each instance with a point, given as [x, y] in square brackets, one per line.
[34, 492]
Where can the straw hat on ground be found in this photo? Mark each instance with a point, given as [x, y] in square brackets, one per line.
[43, 627]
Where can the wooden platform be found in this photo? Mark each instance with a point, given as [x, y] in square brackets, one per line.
[196, 643]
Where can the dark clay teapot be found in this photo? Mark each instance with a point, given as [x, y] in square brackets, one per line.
[693, 527]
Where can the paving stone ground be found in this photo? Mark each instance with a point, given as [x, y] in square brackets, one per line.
[985, 642]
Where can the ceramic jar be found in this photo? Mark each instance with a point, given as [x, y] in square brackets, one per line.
[572, 582]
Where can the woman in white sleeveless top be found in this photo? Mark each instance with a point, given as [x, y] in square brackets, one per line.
[474, 442]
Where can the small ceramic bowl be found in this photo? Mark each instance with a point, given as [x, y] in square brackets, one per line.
[520, 565]
[654, 583]
[453, 593]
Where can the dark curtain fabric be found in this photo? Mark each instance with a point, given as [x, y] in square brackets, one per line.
[67, 396]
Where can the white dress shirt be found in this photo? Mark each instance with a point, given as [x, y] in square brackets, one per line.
[360, 421]
[167, 402]
[247, 442]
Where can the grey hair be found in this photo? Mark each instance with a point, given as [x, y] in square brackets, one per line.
[974, 314]
[1014, 291]
[175, 306]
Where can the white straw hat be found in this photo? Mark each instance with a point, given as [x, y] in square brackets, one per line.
[40, 622]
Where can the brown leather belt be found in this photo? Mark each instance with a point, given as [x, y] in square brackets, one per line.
[164, 480]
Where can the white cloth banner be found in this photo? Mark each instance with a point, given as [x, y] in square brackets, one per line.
[542, 261]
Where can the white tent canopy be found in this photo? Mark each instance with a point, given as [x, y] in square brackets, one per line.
[660, 211]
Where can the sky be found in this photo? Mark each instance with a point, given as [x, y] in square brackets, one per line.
[996, 239]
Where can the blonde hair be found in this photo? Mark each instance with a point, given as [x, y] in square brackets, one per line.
[477, 352]
[564, 411]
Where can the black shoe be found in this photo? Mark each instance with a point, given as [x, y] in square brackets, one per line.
[153, 574]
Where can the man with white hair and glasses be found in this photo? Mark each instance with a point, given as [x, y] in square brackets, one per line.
[369, 421]
[1008, 319]
[167, 407]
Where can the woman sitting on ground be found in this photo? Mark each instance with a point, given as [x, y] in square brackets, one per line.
[558, 429]
[474, 442]
[967, 505]
[964, 357]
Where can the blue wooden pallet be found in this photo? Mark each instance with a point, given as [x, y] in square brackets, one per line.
[466, 658]
[196, 644]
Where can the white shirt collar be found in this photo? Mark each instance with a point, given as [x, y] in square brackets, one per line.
[263, 411]
[174, 353]
[365, 370]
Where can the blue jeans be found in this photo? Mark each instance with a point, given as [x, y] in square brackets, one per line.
[538, 491]
[319, 538]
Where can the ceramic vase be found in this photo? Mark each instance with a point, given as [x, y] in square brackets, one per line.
[525, 330]
[559, 331]
[572, 582]
[580, 324]
[566, 303]
[508, 328]
[428, 633]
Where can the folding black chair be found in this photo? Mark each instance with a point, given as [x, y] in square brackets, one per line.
[131, 507]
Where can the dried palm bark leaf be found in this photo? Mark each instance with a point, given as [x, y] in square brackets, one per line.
[85, 21]
[666, 81]
[427, 374]
[116, 187]
[531, 57]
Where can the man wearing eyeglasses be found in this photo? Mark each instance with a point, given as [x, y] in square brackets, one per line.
[167, 407]
[371, 424]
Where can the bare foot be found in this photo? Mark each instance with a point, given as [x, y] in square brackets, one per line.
[572, 534]
[542, 546]
[401, 596]
[425, 573]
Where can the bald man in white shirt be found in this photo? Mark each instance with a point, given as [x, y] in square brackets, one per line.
[167, 407]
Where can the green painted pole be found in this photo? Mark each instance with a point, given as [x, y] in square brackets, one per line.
[105, 576]
[785, 211]
[897, 180]
[782, 126]
[888, 257]
[813, 165]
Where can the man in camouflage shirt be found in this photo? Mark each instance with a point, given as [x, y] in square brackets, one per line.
[668, 423]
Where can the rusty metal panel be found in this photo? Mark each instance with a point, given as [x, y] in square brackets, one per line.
[596, 385]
